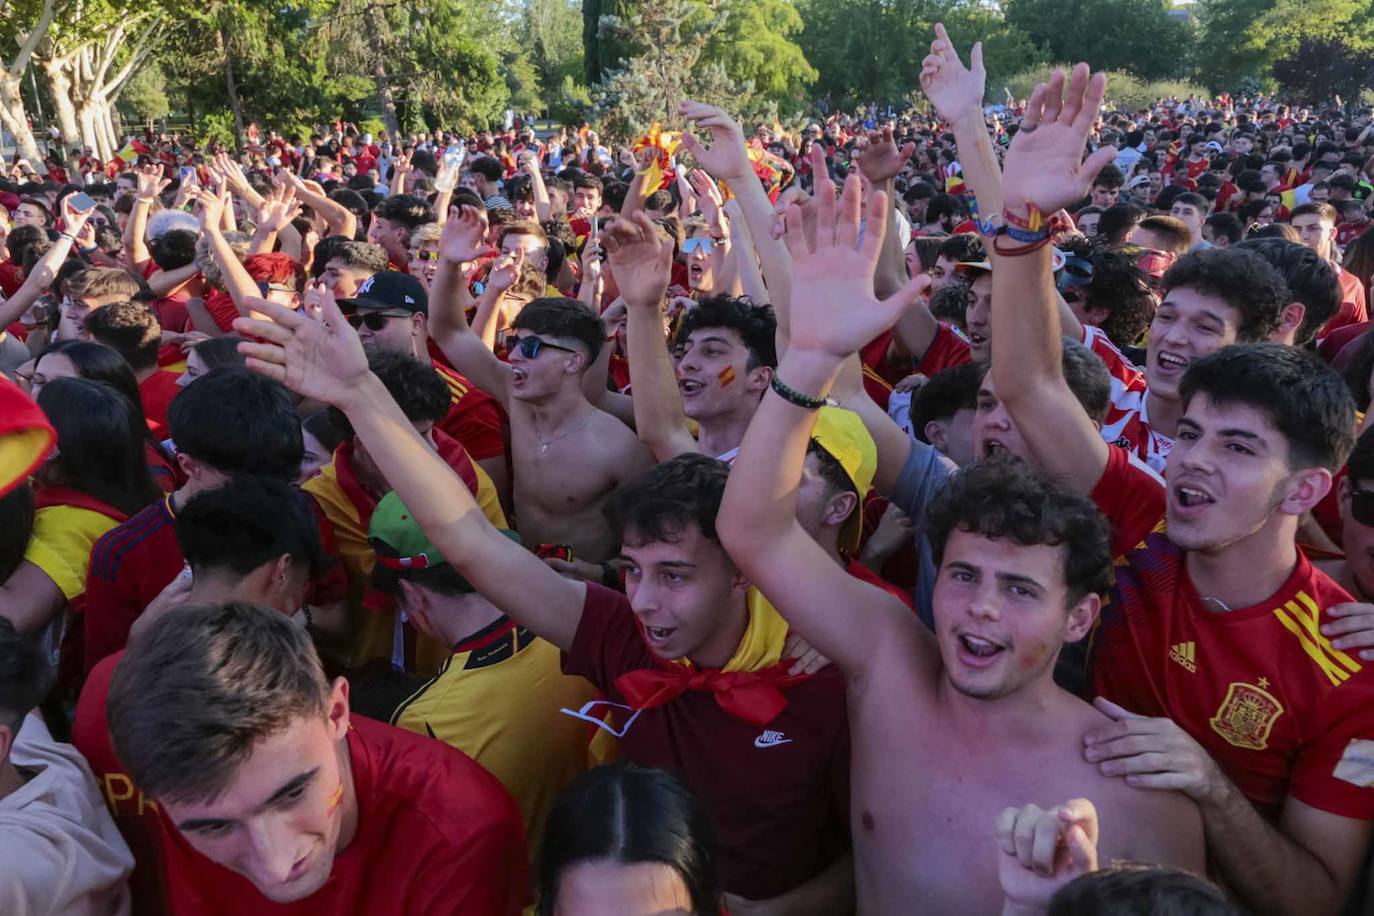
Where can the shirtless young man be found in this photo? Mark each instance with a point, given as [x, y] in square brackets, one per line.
[1009, 594]
[567, 455]
[1214, 656]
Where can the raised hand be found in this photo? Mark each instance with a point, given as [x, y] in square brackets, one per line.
[709, 197]
[881, 160]
[506, 271]
[1041, 851]
[313, 351]
[725, 158]
[1045, 166]
[150, 182]
[641, 259]
[834, 310]
[463, 238]
[952, 88]
[211, 210]
[279, 208]
[77, 223]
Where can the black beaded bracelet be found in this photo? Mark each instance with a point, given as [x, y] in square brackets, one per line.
[793, 396]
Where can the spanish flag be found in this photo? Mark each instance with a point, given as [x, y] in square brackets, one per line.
[660, 171]
[26, 437]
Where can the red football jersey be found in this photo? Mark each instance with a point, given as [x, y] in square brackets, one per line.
[474, 419]
[1279, 708]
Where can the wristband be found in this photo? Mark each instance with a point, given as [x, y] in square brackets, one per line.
[68, 236]
[1032, 222]
[793, 396]
[1016, 251]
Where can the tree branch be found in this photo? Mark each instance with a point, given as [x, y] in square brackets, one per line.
[31, 40]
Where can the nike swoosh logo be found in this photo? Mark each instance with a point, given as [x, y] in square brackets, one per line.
[759, 742]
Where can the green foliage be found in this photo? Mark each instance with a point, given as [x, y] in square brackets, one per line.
[1138, 36]
[214, 127]
[552, 32]
[145, 95]
[667, 42]
[1241, 40]
[572, 104]
[1125, 91]
[871, 50]
[1318, 70]
[756, 46]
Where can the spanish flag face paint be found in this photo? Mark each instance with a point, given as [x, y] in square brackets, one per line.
[336, 799]
[726, 376]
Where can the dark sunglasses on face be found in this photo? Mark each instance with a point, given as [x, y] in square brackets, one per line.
[373, 321]
[529, 346]
[426, 256]
[1362, 506]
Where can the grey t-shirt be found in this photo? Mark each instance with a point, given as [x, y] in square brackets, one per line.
[925, 474]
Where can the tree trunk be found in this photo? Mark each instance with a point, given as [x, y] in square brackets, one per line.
[231, 87]
[60, 86]
[373, 18]
[104, 133]
[16, 120]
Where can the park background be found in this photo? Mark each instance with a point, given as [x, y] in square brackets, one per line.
[100, 70]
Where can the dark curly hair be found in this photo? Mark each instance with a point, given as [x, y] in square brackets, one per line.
[1003, 499]
[661, 503]
[756, 325]
[1310, 278]
[1304, 399]
[1246, 281]
[963, 247]
[1124, 289]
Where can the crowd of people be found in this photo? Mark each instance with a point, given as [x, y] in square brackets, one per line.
[515, 523]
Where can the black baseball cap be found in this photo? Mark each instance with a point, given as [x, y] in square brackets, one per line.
[391, 290]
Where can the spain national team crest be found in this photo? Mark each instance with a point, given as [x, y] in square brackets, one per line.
[1246, 716]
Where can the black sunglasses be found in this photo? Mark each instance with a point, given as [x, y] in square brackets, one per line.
[373, 321]
[529, 346]
[1362, 506]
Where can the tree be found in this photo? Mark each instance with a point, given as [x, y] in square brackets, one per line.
[667, 42]
[756, 46]
[25, 23]
[553, 34]
[1242, 39]
[603, 50]
[1140, 36]
[1318, 70]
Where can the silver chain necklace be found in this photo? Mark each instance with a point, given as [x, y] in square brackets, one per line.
[545, 443]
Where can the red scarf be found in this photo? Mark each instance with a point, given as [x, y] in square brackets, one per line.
[753, 696]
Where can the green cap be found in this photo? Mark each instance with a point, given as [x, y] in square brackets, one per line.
[399, 541]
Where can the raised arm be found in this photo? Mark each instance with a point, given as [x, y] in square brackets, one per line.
[45, 270]
[150, 185]
[543, 208]
[461, 241]
[339, 219]
[316, 354]
[230, 171]
[728, 160]
[757, 521]
[240, 286]
[1045, 170]
[641, 259]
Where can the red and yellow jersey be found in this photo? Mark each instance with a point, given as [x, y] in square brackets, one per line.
[474, 418]
[348, 508]
[1279, 708]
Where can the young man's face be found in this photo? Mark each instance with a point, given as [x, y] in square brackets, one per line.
[1315, 232]
[1088, 222]
[943, 272]
[279, 821]
[30, 215]
[1187, 326]
[994, 431]
[1002, 613]
[713, 375]
[703, 256]
[1357, 530]
[1104, 195]
[1191, 216]
[679, 591]
[391, 236]
[424, 262]
[1228, 472]
[978, 319]
[343, 279]
[586, 201]
[399, 332]
[542, 376]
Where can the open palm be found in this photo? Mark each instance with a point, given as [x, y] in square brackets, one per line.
[1045, 165]
[313, 351]
[951, 87]
[640, 258]
[463, 237]
[726, 157]
[833, 309]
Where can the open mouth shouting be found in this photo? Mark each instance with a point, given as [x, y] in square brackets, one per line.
[977, 651]
[690, 386]
[1170, 365]
[1189, 495]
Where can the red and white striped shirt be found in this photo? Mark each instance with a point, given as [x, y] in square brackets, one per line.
[1128, 421]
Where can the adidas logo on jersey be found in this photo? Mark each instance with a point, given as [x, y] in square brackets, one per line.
[1185, 653]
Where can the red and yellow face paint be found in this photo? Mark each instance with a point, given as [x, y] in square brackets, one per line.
[726, 376]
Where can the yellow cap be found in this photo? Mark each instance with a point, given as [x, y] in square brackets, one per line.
[843, 435]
